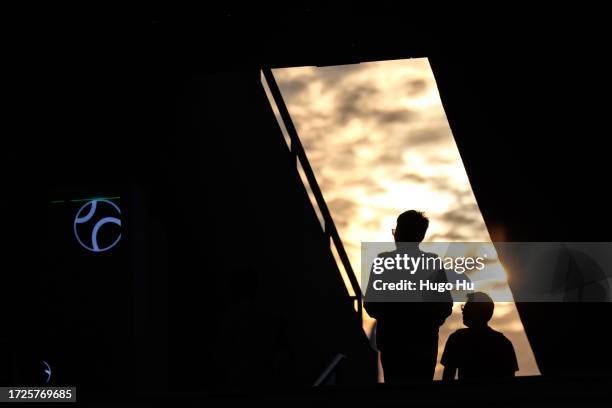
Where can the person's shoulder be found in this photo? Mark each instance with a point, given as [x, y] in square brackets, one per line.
[499, 336]
[505, 350]
[426, 254]
[459, 333]
[496, 333]
[457, 340]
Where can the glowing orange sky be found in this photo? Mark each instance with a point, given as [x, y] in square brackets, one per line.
[379, 143]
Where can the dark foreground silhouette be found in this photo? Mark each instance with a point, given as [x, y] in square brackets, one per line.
[407, 332]
[478, 351]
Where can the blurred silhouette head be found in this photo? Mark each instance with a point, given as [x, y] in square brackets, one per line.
[478, 309]
[411, 226]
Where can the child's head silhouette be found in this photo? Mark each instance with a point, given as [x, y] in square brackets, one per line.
[478, 309]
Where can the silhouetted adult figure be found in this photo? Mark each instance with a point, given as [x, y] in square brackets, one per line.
[478, 352]
[407, 331]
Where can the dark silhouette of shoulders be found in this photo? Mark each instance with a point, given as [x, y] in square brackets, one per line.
[480, 353]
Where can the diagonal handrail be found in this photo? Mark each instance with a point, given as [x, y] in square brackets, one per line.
[329, 228]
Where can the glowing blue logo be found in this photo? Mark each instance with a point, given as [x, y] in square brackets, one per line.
[87, 225]
[47, 371]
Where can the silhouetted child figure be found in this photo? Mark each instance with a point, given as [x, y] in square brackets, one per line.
[478, 352]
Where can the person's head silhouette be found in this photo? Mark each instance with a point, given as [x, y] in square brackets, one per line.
[411, 226]
[478, 309]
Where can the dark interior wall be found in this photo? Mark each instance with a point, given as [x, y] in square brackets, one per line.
[222, 280]
[261, 277]
[75, 113]
[529, 119]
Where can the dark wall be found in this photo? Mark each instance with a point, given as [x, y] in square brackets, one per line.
[256, 296]
[223, 279]
[528, 111]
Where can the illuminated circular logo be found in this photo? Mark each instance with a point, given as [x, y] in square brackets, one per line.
[47, 371]
[97, 226]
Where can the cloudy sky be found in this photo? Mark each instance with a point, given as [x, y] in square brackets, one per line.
[379, 143]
